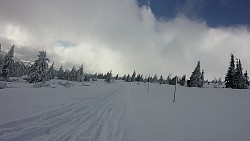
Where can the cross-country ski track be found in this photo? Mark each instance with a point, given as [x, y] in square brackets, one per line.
[97, 117]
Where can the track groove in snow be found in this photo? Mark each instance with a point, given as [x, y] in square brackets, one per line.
[95, 118]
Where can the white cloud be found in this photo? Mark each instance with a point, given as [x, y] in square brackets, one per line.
[119, 35]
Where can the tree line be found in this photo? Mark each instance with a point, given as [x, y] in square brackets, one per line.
[40, 71]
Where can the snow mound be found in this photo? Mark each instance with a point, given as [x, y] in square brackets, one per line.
[41, 84]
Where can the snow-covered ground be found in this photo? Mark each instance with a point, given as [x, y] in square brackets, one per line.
[122, 112]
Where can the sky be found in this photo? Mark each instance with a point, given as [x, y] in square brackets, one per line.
[151, 37]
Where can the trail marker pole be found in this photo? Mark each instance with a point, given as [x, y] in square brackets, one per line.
[175, 88]
[148, 83]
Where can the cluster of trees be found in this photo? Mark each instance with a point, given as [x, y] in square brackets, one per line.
[10, 67]
[235, 78]
[152, 79]
[41, 72]
[72, 75]
[38, 71]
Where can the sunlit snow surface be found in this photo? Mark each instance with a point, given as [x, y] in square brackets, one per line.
[122, 112]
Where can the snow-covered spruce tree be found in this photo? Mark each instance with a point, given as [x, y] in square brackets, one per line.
[128, 79]
[1, 65]
[230, 76]
[94, 77]
[7, 63]
[133, 76]
[73, 74]
[239, 77]
[183, 80]
[155, 79]
[51, 72]
[161, 80]
[60, 73]
[172, 81]
[202, 79]
[86, 78]
[80, 76]
[141, 78]
[169, 78]
[196, 77]
[137, 78]
[66, 75]
[109, 77]
[246, 78]
[124, 77]
[117, 77]
[38, 70]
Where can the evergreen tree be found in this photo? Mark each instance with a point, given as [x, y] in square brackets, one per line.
[39, 68]
[183, 80]
[173, 81]
[1, 65]
[109, 77]
[161, 80]
[80, 75]
[117, 77]
[239, 81]
[155, 79]
[133, 76]
[66, 75]
[230, 76]
[7, 63]
[196, 77]
[128, 79]
[141, 78]
[86, 77]
[246, 82]
[124, 77]
[51, 72]
[60, 73]
[202, 79]
[73, 74]
[169, 79]
[137, 78]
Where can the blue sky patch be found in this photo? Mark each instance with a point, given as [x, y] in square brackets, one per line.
[214, 12]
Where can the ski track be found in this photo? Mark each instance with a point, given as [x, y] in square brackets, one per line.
[95, 118]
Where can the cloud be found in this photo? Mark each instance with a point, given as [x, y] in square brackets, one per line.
[118, 35]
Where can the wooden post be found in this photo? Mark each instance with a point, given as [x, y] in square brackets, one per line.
[148, 82]
[175, 88]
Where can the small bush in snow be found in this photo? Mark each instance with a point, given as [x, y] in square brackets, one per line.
[2, 84]
[67, 84]
[41, 84]
[85, 85]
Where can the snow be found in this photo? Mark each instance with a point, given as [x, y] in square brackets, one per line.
[2, 84]
[122, 112]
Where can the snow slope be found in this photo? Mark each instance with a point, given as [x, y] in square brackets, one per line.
[123, 112]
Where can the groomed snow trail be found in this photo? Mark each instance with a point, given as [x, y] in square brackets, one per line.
[98, 117]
